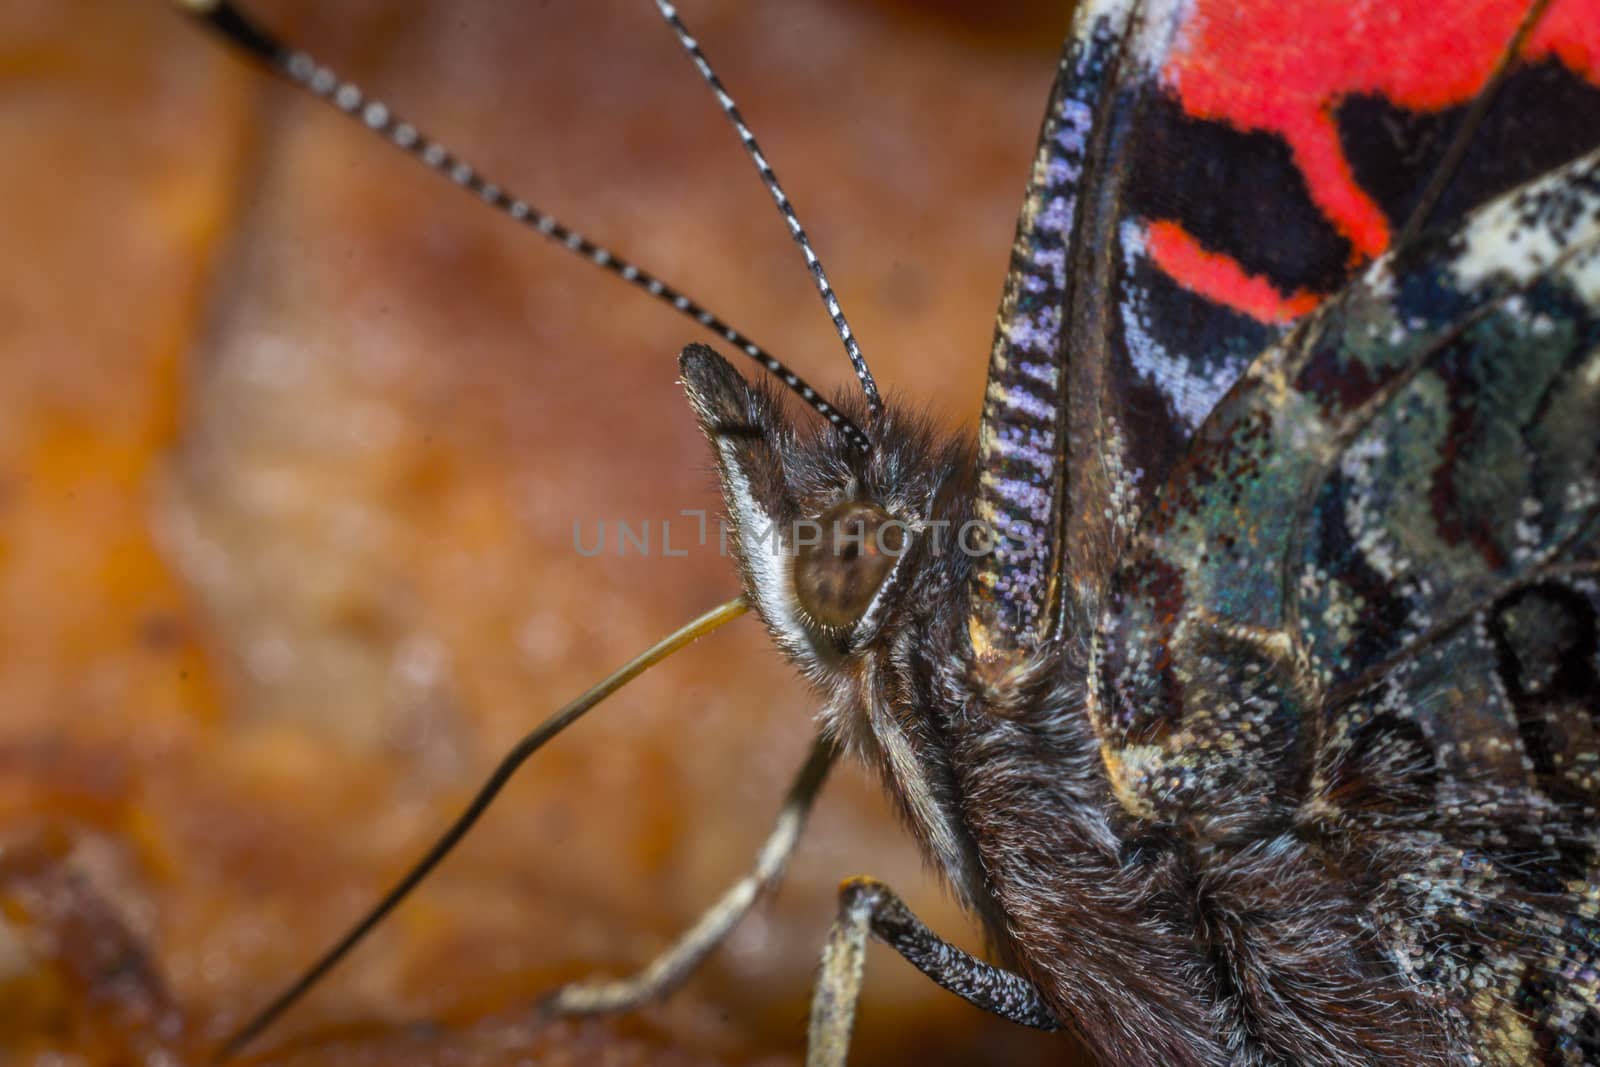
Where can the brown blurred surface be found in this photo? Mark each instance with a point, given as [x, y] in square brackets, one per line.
[292, 443]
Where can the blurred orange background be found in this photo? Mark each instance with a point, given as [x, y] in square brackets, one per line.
[293, 439]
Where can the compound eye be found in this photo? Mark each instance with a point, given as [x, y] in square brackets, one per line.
[841, 559]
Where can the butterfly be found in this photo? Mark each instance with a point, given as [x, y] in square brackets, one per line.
[1259, 729]
[1265, 734]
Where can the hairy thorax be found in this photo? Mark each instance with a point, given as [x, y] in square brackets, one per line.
[1159, 944]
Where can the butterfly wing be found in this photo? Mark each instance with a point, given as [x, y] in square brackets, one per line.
[1364, 612]
[1046, 389]
[1208, 172]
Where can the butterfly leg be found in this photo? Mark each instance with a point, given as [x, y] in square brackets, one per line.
[667, 971]
[868, 906]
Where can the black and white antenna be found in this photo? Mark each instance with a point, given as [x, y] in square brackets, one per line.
[304, 70]
[868, 387]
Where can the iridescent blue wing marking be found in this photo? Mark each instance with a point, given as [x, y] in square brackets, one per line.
[1049, 367]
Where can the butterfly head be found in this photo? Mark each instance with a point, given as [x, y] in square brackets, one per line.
[837, 545]
[858, 560]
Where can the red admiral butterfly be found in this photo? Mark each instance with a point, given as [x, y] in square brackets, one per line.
[1259, 725]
